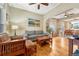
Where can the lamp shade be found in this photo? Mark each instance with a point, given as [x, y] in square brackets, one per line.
[14, 27]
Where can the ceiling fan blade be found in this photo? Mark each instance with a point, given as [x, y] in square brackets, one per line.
[46, 4]
[39, 6]
[31, 3]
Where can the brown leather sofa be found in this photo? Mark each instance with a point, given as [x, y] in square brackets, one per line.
[71, 32]
[16, 47]
[10, 47]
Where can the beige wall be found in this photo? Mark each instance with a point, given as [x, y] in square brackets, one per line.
[20, 18]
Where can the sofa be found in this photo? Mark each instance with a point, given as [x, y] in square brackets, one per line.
[16, 46]
[10, 47]
[72, 33]
[31, 35]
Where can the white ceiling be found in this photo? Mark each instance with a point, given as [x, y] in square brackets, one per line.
[73, 11]
[33, 8]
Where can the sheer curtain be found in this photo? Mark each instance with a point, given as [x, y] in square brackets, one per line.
[1, 24]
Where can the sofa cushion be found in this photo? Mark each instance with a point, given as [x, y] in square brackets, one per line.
[76, 36]
[32, 36]
[76, 53]
[39, 32]
[16, 37]
[29, 43]
[30, 33]
[4, 37]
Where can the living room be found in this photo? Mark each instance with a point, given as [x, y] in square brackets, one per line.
[38, 29]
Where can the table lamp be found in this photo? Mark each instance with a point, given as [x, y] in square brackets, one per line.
[15, 27]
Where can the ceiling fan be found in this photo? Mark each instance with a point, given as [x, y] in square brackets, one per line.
[68, 15]
[45, 4]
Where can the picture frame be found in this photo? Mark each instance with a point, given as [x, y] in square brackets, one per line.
[33, 22]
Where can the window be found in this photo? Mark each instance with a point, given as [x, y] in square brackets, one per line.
[75, 24]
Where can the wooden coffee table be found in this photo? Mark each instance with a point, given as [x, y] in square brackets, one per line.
[42, 40]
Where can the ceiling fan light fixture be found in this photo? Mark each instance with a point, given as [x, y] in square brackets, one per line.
[38, 4]
[65, 16]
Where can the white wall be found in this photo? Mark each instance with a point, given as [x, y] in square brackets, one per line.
[20, 17]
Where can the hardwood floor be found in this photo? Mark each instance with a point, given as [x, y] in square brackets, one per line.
[44, 51]
[60, 47]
